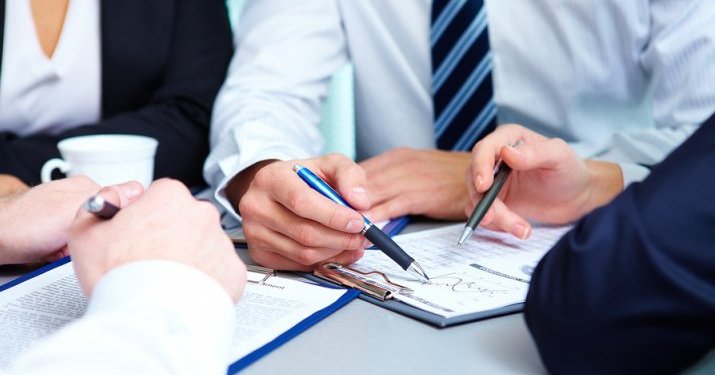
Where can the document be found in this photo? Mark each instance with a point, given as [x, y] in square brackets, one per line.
[36, 308]
[490, 270]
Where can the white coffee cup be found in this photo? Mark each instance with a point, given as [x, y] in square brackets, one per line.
[107, 159]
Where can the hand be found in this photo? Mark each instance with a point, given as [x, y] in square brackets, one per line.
[288, 225]
[10, 184]
[165, 223]
[421, 182]
[550, 183]
[34, 223]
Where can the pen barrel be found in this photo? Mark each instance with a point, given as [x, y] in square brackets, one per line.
[483, 206]
[383, 242]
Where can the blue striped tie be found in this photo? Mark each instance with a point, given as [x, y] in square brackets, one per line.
[464, 109]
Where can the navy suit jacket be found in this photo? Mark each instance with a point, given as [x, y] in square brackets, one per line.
[631, 289]
[163, 62]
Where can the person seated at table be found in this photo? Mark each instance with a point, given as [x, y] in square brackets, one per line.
[613, 77]
[631, 289]
[161, 301]
[144, 67]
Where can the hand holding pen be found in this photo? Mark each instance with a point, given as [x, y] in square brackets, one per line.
[549, 182]
[381, 240]
[290, 226]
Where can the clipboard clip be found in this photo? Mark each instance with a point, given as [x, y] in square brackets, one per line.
[382, 289]
[258, 274]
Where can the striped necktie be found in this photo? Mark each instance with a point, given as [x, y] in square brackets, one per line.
[464, 109]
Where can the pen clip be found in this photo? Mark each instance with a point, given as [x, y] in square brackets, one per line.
[381, 289]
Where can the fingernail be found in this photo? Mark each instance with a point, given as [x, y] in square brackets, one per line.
[480, 181]
[130, 189]
[360, 194]
[355, 225]
[366, 244]
[520, 230]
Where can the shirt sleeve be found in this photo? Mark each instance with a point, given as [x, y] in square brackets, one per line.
[678, 58]
[149, 317]
[269, 106]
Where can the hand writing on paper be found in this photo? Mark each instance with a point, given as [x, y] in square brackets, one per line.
[288, 225]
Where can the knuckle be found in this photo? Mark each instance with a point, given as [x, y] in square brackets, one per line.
[307, 257]
[296, 201]
[306, 235]
[247, 207]
[208, 212]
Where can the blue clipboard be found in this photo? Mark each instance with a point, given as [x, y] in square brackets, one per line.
[251, 357]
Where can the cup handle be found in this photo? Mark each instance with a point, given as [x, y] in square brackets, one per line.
[51, 165]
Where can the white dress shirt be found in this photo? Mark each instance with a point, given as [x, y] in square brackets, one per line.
[46, 95]
[149, 317]
[624, 81]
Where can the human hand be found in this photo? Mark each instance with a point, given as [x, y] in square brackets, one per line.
[420, 182]
[165, 223]
[549, 183]
[288, 225]
[10, 184]
[35, 222]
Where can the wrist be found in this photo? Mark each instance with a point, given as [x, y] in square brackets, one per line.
[605, 182]
[239, 184]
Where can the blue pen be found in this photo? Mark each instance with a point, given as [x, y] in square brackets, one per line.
[370, 231]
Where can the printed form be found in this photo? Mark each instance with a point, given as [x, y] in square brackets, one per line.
[490, 270]
[36, 308]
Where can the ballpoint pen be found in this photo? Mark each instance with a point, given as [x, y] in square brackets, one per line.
[378, 238]
[501, 174]
[100, 208]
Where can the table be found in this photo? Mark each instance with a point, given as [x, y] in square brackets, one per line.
[362, 338]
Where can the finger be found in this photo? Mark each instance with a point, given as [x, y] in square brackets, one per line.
[262, 240]
[486, 152]
[544, 154]
[128, 192]
[392, 208]
[348, 178]
[506, 220]
[299, 198]
[306, 232]
[386, 185]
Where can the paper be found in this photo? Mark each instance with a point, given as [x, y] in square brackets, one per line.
[488, 271]
[38, 307]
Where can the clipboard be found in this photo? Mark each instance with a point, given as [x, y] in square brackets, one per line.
[381, 292]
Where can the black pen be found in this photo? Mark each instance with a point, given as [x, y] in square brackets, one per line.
[99, 207]
[501, 174]
[378, 238]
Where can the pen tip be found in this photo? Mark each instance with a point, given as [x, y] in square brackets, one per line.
[297, 167]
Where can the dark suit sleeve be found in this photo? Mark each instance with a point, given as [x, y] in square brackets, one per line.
[177, 112]
[631, 289]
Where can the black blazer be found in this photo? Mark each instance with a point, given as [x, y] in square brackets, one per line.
[631, 289]
[163, 62]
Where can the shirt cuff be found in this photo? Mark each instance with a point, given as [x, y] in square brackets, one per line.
[231, 166]
[188, 301]
[633, 173]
